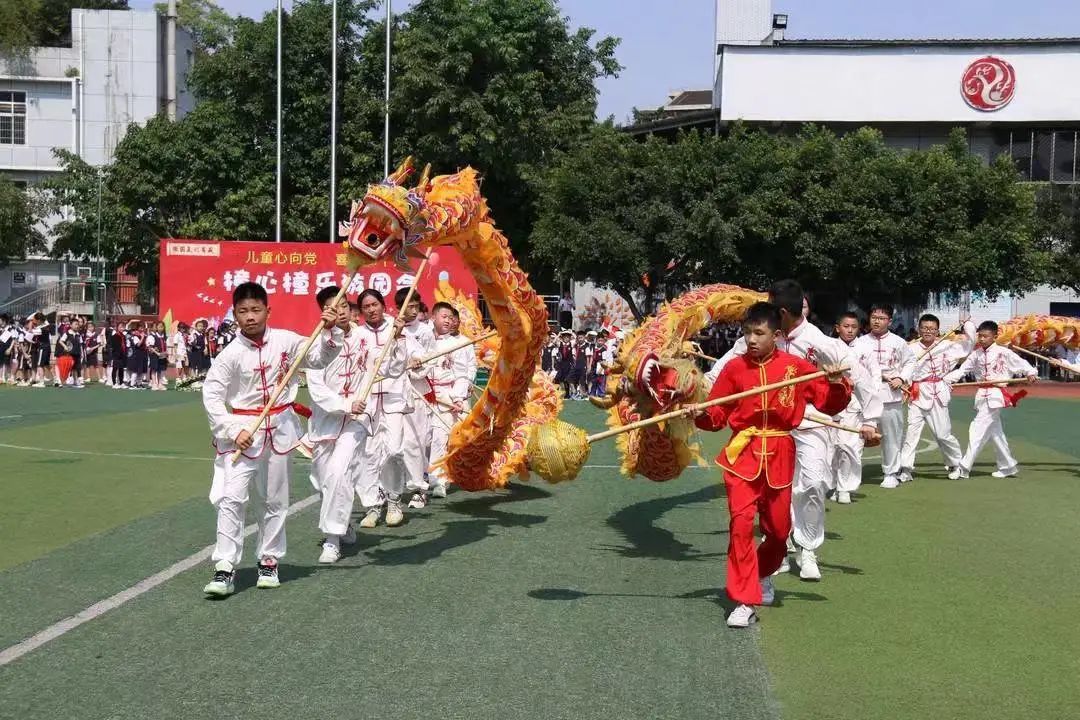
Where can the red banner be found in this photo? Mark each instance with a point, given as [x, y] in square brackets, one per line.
[198, 277]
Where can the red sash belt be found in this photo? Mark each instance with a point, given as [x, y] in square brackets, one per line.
[298, 408]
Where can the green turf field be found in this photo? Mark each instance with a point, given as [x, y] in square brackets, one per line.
[596, 599]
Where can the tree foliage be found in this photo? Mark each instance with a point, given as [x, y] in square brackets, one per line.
[849, 217]
[210, 26]
[20, 234]
[18, 26]
[498, 84]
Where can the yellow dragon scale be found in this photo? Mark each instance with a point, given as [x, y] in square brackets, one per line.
[475, 457]
[544, 401]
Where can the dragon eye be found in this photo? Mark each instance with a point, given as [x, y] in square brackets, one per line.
[372, 239]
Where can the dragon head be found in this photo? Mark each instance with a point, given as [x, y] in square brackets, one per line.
[388, 223]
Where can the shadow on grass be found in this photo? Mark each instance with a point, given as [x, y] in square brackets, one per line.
[637, 525]
[482, 514]
[568, 594]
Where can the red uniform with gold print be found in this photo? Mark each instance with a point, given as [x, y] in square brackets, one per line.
[759, 460]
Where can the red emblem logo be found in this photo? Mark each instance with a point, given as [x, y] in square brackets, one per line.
[988, 84]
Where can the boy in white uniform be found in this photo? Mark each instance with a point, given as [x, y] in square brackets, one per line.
[930, 395]
[989, 363]
[813, 466]
[895, 360]
[382, 477]
[337, 436]
[237, 387]
[847, 447]
[418, 339]
[451, 379]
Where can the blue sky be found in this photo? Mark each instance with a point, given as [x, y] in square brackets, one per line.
[668, 46]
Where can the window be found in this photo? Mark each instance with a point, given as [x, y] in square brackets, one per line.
[1046, 155]
[12, 117]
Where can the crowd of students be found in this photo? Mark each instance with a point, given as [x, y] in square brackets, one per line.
[578, 362]
[74, 351]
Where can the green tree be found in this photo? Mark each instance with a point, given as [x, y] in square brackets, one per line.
[18, 26]
[211, 26]
[1057, 219]
[501, 85]
[850, 218]
[20, 234]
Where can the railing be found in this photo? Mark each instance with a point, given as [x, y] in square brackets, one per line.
[33, 301]
[78, 296]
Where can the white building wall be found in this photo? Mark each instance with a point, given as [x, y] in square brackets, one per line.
[84, 99]
[869, 84]
[117, 73]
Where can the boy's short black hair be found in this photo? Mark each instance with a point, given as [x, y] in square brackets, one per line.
[402, 293]
[443, 306]
[786, 295]
[848, 315]
[250, 291]
[327, 294]
[928, 317]
[354, 305]
[371, 292]
[763, 312]
[988, 325]
[882, 307]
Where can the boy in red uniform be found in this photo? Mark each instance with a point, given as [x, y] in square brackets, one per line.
[759, 460]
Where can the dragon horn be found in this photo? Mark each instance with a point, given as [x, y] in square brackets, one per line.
[425, 177]
[403, 170]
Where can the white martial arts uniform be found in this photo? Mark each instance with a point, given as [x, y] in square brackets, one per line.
[895, 358]
[339, 439]
[237, 386]
[813, 466]
[994, 363]
[847, 447]
[382, 476]
[451, 379]
[418, 339]
[931, 396]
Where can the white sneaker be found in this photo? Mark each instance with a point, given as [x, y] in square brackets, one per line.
[349, 538]
[330, 554]
[843, 497]
[438, 490]
[222, 583]
[268, 574]
[419, 500]
[394, 516]
[890, 482]
[785, 566]
[1011, 472]
[808, 567]
[768, 592]
[741, 617]
[371, 519]
[905, 476]
[954, 473]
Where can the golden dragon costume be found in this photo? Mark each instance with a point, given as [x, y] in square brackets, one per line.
[653, 375]
[1040, 331]
[394, 221]
[544, 401]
